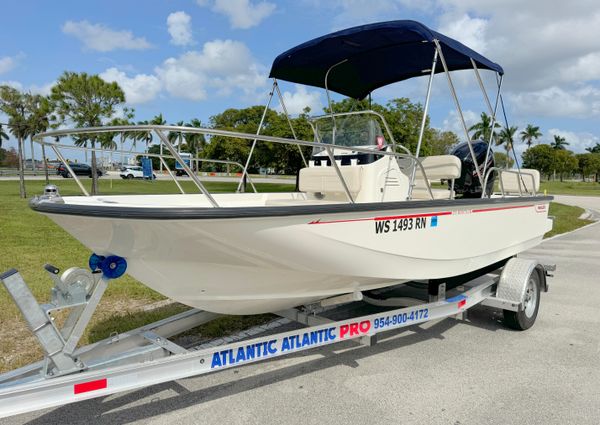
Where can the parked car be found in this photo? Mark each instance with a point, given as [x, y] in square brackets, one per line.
[78, 168]
[133, 172]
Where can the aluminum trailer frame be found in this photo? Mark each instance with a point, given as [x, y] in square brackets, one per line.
[145, 356]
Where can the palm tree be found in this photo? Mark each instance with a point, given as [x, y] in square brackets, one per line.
[143, 136]
[3, 135]
[559, 143]
[195, 142]
[39, 121]
[506, 138]
[594, 149]
[483, 129]
[530, 134]
[176, 137]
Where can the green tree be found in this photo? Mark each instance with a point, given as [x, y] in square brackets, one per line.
[564, 162]
[440, 142]
[588, 163]
[195, 142]
[86, 100]
[123, 136]
[39, 108]
[13, 104]
[11, 158]
[541, 158]
[559, 143]
[503, 160]
[530, 134]
[27, 115]
[244, 120]
[176, 137]
[483, 129]
[594, 149]
[506, 138]
[141, 135]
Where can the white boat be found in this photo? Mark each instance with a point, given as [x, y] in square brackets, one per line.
[365, 216]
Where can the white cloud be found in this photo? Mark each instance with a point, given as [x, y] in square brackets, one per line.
[300, 99]
[221, 65]
[453, 123]
[180, 28]
[102, 38]
[138, 89]
[7, 63]
[555, 101]
[359, 12]
[538, 45]
[242, 14]
[469, 31]
[44, 89]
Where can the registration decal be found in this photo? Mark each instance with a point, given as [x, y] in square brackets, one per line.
[416, 222]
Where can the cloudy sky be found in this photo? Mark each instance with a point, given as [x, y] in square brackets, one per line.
[194, 58]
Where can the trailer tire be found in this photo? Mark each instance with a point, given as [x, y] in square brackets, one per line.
[525, 318]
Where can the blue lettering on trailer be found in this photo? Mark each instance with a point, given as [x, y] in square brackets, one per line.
[259, 350]
[241, 354]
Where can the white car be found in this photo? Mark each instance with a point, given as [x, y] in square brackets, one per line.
[133, 172]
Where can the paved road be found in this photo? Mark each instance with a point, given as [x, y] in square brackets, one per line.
[591, 203]
[448, 372]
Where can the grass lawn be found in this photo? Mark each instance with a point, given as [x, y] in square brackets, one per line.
[570, 188]
[566, 219]
[28, 239]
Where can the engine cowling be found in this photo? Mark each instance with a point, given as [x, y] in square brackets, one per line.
[468, 185]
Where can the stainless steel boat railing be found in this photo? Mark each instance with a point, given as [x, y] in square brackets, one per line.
[520, 181]
[160, 132]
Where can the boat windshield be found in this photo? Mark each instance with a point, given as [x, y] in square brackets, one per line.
[350, 130]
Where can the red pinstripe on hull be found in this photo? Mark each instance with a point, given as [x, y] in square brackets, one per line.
[396, 217]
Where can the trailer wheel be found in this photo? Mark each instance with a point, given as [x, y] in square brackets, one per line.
[525, 317]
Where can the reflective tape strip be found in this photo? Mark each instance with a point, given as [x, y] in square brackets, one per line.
[85, 387]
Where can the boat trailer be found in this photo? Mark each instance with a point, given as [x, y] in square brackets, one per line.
[146, 356]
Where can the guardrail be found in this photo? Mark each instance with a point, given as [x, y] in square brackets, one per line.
[519, 180]
[160, 130]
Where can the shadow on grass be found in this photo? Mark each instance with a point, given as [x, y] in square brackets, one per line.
[219, 327]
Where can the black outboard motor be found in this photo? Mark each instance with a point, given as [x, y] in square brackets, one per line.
[468, 185]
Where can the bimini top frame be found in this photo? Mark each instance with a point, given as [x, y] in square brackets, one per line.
[358, 60]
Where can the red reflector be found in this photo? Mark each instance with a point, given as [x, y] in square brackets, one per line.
[462, 303]
[85, 387]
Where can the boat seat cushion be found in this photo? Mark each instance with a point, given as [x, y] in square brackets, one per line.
[326, 180]
[530, 180]
[438, 167]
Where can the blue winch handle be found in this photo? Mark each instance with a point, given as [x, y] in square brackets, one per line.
[112, 266]
[94, 261]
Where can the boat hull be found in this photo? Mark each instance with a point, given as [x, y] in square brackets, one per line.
[263, 264]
